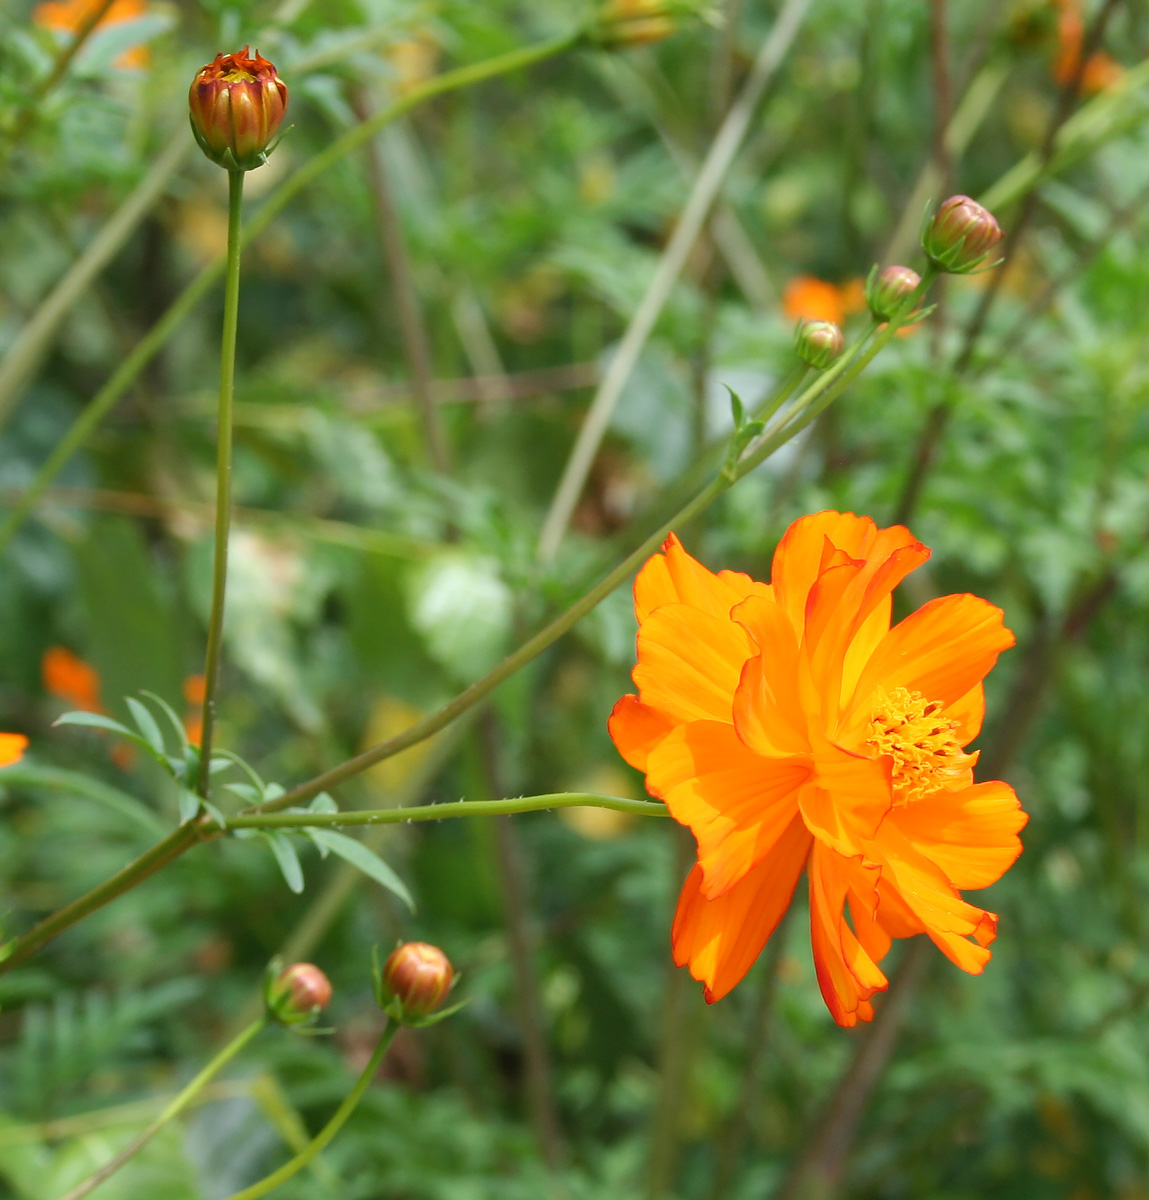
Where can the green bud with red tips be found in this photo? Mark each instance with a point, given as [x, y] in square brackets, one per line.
[960, 235]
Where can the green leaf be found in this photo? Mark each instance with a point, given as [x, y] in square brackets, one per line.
[323, 804]
[172, 716]
[737, 408]
[91, 720]
[366, 860]
[189, 805]
[54, 779]
[287, 859]
[146, 724]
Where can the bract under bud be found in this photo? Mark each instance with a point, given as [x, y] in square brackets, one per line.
[818, 343]
[298, 994]
[237, 104]
[960, 235]
[414, 981]
[889, 291]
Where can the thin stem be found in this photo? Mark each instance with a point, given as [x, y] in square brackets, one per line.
[714, 169]
[106, 398]
[173, 1110]
[223, 474]
[442, 812]
[324, 1136]
[823, 390]
[16, 951]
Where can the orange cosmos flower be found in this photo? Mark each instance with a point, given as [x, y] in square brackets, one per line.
[789, 726]
[12, 747]
[813, 299]
[70, 16]
[1100, 71]
[69, 678]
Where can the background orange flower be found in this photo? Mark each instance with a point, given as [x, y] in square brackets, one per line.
[790, 727]
[69, 16]
[67, 677]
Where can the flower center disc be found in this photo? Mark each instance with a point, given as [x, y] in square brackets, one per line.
[926, 753]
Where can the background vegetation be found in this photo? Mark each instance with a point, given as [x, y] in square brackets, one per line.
[485, 254]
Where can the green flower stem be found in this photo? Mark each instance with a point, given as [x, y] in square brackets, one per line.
[173, 1110]
[124, 375]
[13, 953]
[323, 1137]
[441, 812]
[223, 474]
[822, 391]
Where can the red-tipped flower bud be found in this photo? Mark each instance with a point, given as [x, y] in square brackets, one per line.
[418, 976]
[298, 994]
[623, 23]
[960, 235]
[237, 104]
[888, 292]
[818, 343]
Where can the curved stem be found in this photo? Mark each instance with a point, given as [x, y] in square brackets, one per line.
[812, 401]
[223, 474]
[441, 812]
[173, 1110]
[105, 399]
[323, 1137]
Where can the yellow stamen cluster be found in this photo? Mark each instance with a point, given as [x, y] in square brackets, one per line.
[926, 753]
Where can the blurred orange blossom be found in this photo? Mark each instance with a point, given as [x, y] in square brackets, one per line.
[12, 747]
[67, 677]
[69, 16]
[790, 727]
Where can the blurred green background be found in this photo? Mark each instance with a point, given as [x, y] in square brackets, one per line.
[525, 217]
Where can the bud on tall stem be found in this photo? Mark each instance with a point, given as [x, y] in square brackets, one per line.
[960, 235]
[818, 343]
[237, 104]
[414, 981]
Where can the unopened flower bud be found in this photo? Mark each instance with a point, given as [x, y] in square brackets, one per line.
[818, 343]
[620, 24]
[960, 235]
[418, 976]
[298, 994]
[237, 104]
[889, 290]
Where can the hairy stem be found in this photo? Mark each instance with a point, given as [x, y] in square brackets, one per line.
[169, 1114]
[223, 475]
[318, 1143]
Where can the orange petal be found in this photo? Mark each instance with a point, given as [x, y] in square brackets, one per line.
[768, 710]
[674, 577]
[943, 651]
[970, 834]
[847, 976]
[799, 558]
[12, 747]
[689, 663]
[636, 730]
[969, 712]
[736, 803]
[720, 939]
[845, 804]
[923, 887]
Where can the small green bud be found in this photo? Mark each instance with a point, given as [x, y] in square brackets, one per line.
[960, 235]
[888, 292]
[818, 343]
[298, 994]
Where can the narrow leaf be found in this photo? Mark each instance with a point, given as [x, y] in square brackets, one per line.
[366, 860]
[288, 861]
[146, 724]
[189, 805]
[171, 715]
[93, 720]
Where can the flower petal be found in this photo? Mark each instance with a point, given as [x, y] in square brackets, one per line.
[970, 834]
[943, 651]
[846, 802]
[12, 747]
[674, 577]
[847, 975]
[636, 729]
[736, 803]
[689, 663]
[768, 710]
[720, 939]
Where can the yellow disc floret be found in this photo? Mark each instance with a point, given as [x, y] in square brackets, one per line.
[923, 745]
